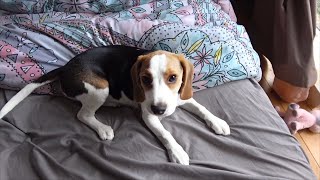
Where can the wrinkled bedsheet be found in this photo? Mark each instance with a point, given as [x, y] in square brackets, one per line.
[39, 36]
[42, 139]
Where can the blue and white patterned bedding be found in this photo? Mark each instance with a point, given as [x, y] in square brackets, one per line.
[39, 36]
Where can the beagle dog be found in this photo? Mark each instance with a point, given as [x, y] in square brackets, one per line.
[157, 81]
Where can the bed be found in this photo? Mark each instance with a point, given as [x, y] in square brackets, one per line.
[42, 139]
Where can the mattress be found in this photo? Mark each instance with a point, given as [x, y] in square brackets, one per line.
[42, 139]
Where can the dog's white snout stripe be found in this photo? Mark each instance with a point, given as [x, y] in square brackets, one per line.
[158, 66]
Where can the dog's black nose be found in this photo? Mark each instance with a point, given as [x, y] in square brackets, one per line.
[158, 109]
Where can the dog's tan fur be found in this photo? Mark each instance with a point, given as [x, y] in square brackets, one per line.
[142, 65]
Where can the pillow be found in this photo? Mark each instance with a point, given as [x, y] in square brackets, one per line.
[27, 6]
[85, 6]
[220, 50]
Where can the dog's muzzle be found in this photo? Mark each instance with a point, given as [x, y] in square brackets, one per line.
[159, 109]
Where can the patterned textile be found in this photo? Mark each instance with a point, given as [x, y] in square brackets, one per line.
[92, 6]
[34, 44]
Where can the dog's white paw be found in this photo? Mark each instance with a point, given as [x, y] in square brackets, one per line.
[219, 126]
[105, 132]
[178, 155]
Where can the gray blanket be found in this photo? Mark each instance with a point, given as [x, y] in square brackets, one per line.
[42, 139]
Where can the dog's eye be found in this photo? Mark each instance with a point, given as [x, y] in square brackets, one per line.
[172, 79]
[146, 80]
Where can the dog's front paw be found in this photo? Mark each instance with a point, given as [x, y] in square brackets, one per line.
[178, 155]
[105, 132]
[219, 126]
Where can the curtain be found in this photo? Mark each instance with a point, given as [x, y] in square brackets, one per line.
[283, 31]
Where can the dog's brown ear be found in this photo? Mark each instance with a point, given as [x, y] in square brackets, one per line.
[186, 86]
[138, 93]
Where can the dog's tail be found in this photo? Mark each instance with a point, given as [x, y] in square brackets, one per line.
[28, 89]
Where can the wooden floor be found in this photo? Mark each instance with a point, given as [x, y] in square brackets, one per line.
[310, 142]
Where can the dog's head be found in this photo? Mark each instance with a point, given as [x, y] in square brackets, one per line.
[160, 79]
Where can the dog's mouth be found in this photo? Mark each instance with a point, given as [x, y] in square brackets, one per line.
[160, 110]
[166, 113]
[158, 114]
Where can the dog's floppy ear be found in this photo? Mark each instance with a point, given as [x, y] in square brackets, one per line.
[186, 86]
[138, 93]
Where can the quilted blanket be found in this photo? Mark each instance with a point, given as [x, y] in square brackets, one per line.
[39, 36]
